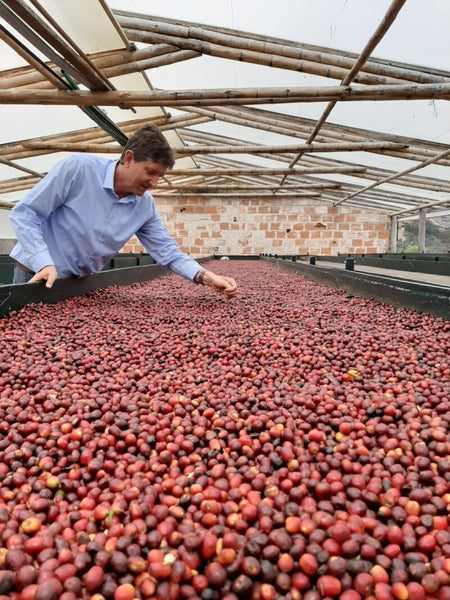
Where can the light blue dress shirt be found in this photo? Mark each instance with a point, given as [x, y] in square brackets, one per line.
[74, 220]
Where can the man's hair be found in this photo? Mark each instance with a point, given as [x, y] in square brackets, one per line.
[149, 144]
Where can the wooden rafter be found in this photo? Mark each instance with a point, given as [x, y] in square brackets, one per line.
[180, 98]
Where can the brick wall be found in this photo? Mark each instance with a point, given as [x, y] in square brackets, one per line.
[206, 226]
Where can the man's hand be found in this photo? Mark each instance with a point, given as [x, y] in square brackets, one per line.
[224, 285]
[47, 274]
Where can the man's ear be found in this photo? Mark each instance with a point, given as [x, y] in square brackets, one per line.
[128, 158]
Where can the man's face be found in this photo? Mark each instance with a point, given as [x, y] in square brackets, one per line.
[142, 175]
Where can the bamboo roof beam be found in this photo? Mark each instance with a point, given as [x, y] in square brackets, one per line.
[75, 147]
[407, 198]
[73, 50]
[13, 165]
[341, 55]
[192, 150]
[387, 21]
[46, 73]
[53, 45]
[6, 187]
[300, 126]
[413, 153]
[200, 189]
[201, 137]
[253, 149]
[151, 63]
[112, 17]
[213, 172]
[7, 205]
[227, 96]
[17, 150]
[239, 196]
[206, 38]
[396, 175]
[249, 56]
[366, 204]
[380, 195]
[417, 182]
[188, 122]
[429, 183]
[131, 61]
[417, 209]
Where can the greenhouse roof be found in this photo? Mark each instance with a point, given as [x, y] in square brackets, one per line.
[343, 102]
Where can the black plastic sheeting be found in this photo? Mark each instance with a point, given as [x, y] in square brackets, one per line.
[14, 297]
[402, 293]
[438, 264]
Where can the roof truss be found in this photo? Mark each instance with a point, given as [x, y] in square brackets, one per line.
[310, 164]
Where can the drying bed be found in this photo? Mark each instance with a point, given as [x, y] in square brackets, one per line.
[159, 441]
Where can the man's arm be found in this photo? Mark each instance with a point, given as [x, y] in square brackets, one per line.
[29, 215]
[157, 241]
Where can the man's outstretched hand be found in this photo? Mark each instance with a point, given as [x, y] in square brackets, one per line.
[225, 285]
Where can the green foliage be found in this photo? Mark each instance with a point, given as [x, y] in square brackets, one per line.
[437, 238]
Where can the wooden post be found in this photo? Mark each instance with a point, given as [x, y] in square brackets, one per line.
[393, 235]
[422, 228]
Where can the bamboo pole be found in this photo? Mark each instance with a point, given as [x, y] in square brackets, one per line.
[58, 42]
[22, 77]
[8, 205]
[6, 187]
[75, 147]
[387, 21]
[233, 189]
[188, 122]
[262, 171]
[44, 71]
[190, 150]
[17, 150]
[396, 175]
[388, 195]
[72, 48]
[226, 96]
[301, 127]
[112, 17]
[379, 196]
[151, 63]
[416, 154]
[267, 196]
[251, 37]
[185, 32]
[258, 58]
[252, 149]
[13, 165]
[417, 209]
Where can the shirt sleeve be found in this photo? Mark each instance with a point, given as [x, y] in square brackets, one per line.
[164, 250]
[30, 214]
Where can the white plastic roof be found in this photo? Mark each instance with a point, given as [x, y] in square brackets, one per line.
[416, 40]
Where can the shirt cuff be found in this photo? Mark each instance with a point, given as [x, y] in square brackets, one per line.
[41, 260]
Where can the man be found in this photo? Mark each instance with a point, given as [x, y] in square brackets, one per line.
[86, 208]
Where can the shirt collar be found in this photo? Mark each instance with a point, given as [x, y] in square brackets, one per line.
[108, 183]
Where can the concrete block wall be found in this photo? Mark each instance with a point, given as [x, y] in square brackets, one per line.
[287, 226]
